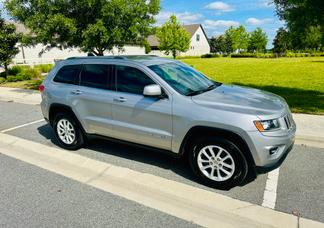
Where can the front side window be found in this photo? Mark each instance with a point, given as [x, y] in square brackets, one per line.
[68, 74]
[132, 80]
[96, 76]
[197, 37]
[183, 78]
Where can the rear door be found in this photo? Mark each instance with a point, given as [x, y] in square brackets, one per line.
[92, 100]
[140, 119]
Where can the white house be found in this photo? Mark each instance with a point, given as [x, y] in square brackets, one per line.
[31, 55]
[199, 44]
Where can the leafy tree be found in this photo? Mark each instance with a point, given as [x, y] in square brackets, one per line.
[94, 26]
[300, 15]
[312, 38]
[8, 41]
[239, 38]
[282, 41]
[173, 37]
[221, 44]
[257, 41]
[147, 47]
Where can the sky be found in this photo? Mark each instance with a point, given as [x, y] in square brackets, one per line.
[217, 16]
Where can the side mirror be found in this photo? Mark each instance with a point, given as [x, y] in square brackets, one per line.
[152, 90]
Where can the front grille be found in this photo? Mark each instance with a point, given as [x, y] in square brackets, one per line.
[288, 121]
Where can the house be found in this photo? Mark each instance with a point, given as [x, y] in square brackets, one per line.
[199, 44]
[31, 55]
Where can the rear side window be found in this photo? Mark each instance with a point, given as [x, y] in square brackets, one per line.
[96, 76]
[132, 80]
[68, 74]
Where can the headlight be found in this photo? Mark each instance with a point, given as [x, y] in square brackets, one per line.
[267, 125]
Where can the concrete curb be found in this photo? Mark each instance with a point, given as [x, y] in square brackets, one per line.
[190, 203]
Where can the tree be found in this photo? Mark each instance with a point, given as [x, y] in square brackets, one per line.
[312, 38]
[257, 41]
[239, 38]
[300, 15]
[220, 44]
[173, 37]
[8, 41]
[93, 26]
[282, 41]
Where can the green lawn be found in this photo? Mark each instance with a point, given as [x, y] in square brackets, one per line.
[299, 80]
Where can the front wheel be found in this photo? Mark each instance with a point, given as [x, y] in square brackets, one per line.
[218, 163]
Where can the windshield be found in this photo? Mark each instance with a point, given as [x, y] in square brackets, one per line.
[183, 79]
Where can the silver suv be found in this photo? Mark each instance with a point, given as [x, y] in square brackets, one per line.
[224, 130]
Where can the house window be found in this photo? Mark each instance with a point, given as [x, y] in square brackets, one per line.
[197, 37]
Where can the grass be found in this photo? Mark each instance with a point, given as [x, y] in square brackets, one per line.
[28, 84]
[299, 80]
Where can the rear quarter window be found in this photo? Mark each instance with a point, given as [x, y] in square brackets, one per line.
[68, 74]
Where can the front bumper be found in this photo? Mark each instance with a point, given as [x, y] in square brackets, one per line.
[270, 151]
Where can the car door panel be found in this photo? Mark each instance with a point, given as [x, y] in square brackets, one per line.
[93, 100]
[143, 120]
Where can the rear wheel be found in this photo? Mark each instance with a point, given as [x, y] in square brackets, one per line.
[68, 132]
[218, 163]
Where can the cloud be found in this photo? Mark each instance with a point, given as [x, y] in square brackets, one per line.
[212, 24]
[219, 7]
[185, 17]
[255, 21]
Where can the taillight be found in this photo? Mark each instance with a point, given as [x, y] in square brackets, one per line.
[41, 88]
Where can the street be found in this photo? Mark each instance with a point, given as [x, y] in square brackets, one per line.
[37, 197]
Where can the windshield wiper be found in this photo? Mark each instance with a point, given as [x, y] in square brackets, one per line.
[193, 93]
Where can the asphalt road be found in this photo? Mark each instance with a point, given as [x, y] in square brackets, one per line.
[300, 184]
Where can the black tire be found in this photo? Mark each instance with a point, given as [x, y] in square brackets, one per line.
[241, 165]
[79, 139]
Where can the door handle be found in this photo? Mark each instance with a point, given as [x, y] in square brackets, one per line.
[76, 92]
[120, 99]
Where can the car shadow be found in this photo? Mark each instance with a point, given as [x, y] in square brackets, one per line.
[299, 100]
[140, 154]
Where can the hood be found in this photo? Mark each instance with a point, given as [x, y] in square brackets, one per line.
[244, 100]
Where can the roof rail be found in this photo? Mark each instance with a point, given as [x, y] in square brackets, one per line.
[112, 57]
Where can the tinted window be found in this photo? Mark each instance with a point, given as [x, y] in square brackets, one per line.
[182, 78]
[95, 75]
[68, 74]
[132, 80]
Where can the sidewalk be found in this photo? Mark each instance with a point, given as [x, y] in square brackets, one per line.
[20, 95]
[309, 127]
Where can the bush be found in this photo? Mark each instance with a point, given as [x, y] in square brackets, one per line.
[244, 55]
[12, 78]
[44, 68]
[2, 80]
[29, 73]
[17, 69]
[211, 55]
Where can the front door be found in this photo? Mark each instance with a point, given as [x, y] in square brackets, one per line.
[140, 119]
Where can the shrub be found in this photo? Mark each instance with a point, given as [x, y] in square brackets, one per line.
[29, 73]
[44, 68]
[12, 78]
[244, 55]
[17, 69]
[2, 80]
[210, 55]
